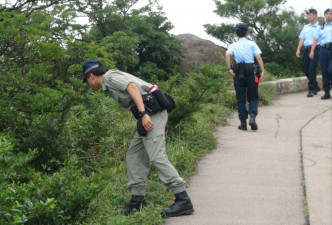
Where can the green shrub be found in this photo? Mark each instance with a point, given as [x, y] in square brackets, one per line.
[274, 68]
[149, 71]
[193, 89]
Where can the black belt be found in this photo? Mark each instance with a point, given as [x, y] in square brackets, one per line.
[244, 69]
[328, 46]
[307, 47]
[247, 64]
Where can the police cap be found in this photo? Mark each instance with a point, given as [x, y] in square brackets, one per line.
[313, 11]
[328, 10]
[241, 30]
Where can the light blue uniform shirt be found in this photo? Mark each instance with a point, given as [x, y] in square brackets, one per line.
[309, 33]
[325, 35]
[244, 50]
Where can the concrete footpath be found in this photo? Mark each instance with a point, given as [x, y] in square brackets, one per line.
[267, 176]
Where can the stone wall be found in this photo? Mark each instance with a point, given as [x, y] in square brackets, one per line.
[290, 85]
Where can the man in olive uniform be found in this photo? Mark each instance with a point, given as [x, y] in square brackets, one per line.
[245, 80]
[127, 91]
[306, 39]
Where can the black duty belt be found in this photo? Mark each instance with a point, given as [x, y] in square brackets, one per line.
[305, 48]
[244, 69]
[328, 46]
[309, 47]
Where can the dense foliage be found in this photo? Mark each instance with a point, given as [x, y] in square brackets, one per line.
[63, 146]
[273, 28]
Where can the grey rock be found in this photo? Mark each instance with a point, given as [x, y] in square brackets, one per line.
[195, 51]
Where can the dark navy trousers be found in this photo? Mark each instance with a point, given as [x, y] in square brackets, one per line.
[246, 89]
[310, 67]
[325, 60]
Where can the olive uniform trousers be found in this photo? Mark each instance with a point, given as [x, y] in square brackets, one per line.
[144, 151]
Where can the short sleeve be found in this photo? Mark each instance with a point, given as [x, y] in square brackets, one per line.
[256, 49]
[230, 50]
[301, 36]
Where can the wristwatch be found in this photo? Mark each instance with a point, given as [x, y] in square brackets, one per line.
[142, 113]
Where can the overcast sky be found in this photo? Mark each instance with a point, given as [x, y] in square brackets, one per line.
[188, 16]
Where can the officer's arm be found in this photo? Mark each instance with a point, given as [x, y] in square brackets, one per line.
[313, 46]
[137, 98]
[299, 46]
[228, 63]
[261, 65]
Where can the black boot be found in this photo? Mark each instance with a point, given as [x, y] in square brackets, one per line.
[310, 93]
[181, 206]
[243, 125]
[252, 122]
[326, 95]
[136, 202]
[317, 89]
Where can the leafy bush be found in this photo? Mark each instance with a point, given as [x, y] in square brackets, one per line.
[149, 71]
[31, 197]
[194, 89]
[274, 68]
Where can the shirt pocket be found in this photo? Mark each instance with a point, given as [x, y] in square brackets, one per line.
[123, 99]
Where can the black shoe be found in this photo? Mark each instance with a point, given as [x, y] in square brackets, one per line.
[310, 93]
[243, 125]
[317, 89]
[181, 206]
[326, 95]
[252, 122]
[136, 202]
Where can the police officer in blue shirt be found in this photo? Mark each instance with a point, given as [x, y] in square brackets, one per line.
[245, 79]
[307, 36]
[325, 55]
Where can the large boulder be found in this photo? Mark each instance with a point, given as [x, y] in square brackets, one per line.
[195, 51]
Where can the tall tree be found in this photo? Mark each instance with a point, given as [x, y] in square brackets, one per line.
[156, 49]
[274, 29]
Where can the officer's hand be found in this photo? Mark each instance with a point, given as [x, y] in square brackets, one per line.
[147, 123]
[311, 55]
[232, 72]
[261, 77]
[298, 53]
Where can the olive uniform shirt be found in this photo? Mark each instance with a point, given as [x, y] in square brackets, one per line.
[115, 83]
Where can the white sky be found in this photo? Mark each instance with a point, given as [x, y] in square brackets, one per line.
[189, 16]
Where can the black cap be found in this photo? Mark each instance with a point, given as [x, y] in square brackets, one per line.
[92, 66]
[314, 11]
[328, 10]
[241, 30]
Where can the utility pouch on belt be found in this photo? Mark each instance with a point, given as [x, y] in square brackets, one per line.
[250, 69]
[239, 69]
[244, 69]
[165, 101]
[140, 129]
[139, 125]
[151, 104]
[257, 71]
[155, 101]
